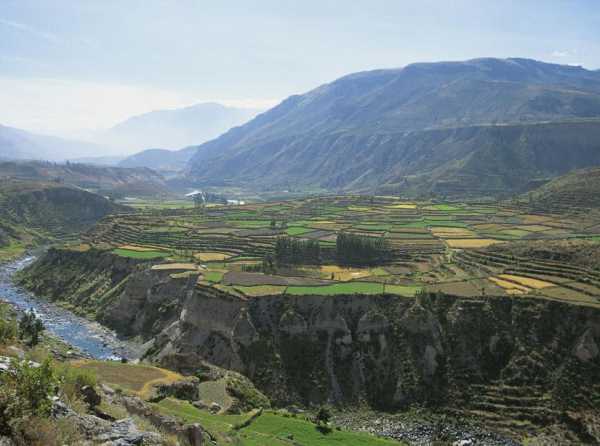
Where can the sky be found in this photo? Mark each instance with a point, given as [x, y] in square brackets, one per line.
[71, 66]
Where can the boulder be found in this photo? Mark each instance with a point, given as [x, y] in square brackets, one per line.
[90, 396]
[215, 407]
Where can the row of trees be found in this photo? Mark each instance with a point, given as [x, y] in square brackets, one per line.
[293, 251]
[356, 249]
[351, 249]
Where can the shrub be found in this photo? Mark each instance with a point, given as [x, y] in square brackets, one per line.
[26, 391]
[8, 325]
[72, 380]
[30, 327]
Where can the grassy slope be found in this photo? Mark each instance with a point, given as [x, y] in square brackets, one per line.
[32, 212]
[579, 188]
[270, 428]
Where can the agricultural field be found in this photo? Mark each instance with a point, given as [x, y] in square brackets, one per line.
[455, 248]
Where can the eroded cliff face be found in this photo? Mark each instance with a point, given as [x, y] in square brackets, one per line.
[527, 358]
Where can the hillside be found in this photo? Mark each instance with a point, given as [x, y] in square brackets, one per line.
[33, 211]
[160, 159]
[444, 120]
[17, 144]
[175, 128]
[580, 188]
[116, 181]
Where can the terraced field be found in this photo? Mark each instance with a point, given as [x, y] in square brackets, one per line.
[455, 248]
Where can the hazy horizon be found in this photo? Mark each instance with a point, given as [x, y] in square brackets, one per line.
[69, 68]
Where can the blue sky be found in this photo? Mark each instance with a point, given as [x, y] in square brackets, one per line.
[71, 65]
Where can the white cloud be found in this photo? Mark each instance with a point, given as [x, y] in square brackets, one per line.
[30, 30]
[561, 54]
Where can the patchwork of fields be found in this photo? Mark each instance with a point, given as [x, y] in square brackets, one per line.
[455, 248]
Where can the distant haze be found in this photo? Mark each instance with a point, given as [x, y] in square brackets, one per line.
[174, 129]
[71, 67]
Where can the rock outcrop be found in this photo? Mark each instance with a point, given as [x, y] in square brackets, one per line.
[513, 358]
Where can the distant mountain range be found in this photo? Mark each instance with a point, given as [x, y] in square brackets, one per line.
[483, 126]
[174, 129]
[17, 144]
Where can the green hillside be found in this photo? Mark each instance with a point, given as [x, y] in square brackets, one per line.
[32, 212]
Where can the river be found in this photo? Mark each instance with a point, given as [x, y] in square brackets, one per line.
[90, 338]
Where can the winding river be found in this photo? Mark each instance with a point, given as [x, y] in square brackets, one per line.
[90, 338]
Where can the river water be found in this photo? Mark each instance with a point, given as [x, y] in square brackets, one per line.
[90, 338]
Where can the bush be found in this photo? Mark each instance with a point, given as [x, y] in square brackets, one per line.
[71, 380]
[46, 432]
[30, 327]
[8, 325]
[26, 391]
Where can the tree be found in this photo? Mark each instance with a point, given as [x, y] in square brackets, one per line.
[30, 326]
[323, 415]
[293, 251]
[355, 249]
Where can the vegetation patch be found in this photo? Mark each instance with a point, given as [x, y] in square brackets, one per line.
[212, 256]
[337, 288]
[145, 255]
[137, 378]
[471, 243]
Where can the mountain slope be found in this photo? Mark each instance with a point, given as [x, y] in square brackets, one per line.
[579, 188]
[17, 144]
[116, 181]
[33, 212]
[160, 159]
[175, 128]
[363, 130]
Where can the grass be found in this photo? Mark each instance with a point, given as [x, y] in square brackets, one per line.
[260, 290]
[213, 276]
[471, 243]
[343, 274]
[403, 290]
[145, 255]
[305, 433]
[337, 288]
[136, 378]
[298, 230]
[270, 428]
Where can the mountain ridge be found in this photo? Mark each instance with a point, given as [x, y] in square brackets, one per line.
[380, 108]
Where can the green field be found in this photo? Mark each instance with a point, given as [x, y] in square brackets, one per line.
[270, 428]
[429, 244]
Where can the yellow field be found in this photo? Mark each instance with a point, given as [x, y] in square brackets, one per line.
[402, 206]
[509, 287]
[447, 232]
[471, 243]
[359, 208]
[343, 274]
[175, 267]
[535, 219]
[137, 248]
[489, 227]
[137, 378]
[533, 228]
[527, 281]
[212, 256]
